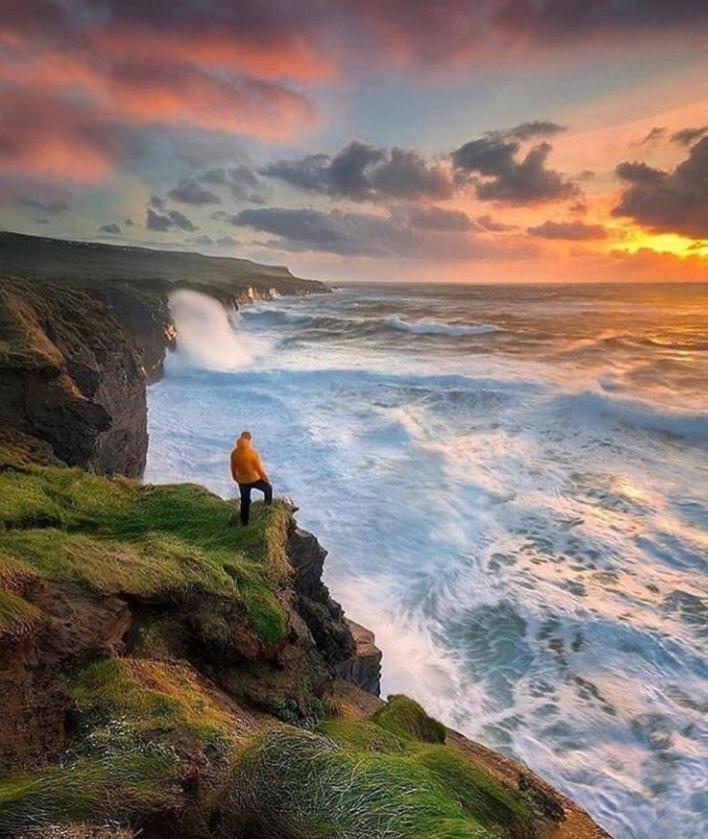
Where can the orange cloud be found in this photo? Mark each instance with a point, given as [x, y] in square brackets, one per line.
[184, 94]
[42, 137]
[290, 58]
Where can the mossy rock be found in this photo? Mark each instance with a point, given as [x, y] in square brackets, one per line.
[405, 718]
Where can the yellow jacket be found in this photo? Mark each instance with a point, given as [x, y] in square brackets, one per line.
[246, 466]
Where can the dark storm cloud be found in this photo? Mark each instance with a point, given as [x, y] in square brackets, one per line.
[668, 202]
[418, 28]
[498, 170]
[361, 172]
[241, 181]
[575, 231]
[50, 207]
[169, 220]
[454, 30]
[539, 128]
[366, 234]
[687, 136]
[437, 218]
[639, 172]
[190, 191]
[112, 229]
[553, 19]
[657, 133]
[333, 232]
[157, 203]
[486, 222]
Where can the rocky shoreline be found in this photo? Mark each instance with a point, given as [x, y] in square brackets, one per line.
[110, 589]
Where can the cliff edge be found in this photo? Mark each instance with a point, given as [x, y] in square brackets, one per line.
[165, 672]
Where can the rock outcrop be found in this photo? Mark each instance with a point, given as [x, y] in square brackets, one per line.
[71, 376]
[323, 616]
[363, 668]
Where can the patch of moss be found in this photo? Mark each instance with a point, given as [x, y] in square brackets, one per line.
[362, 735]
[477, 791]
[149, 695]
[405, 718]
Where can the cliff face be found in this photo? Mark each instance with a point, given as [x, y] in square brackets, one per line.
[68, 595]
[72, 377]
[84, 327]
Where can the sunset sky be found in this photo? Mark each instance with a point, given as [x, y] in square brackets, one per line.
[500, 140]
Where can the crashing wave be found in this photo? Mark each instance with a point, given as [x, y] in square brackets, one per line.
[633, 412]
[430, 326]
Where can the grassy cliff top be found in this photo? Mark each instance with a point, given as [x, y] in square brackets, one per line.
[87, 264]
[149, 739]
[118, 537]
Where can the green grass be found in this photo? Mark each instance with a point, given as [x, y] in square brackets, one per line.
[17, 616]
[388, 776]
[296, 784]
[140, 724]
[405, 718]
[115, 536]
[401, 729]
[113, 786]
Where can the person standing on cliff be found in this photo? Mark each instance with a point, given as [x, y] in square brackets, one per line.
[248, 472]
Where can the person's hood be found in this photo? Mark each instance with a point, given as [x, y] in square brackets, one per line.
[243, 443]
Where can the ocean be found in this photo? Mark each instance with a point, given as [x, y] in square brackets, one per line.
[512, 482]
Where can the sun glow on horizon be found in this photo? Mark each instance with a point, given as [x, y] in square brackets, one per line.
[636, 240]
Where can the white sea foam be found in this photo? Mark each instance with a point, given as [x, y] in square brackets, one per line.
[206, 337]
[430, 326]
[592, 405]
[528, 543]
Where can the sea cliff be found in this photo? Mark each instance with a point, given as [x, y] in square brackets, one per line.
[165, 671]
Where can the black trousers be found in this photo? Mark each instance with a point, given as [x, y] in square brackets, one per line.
[245, 490]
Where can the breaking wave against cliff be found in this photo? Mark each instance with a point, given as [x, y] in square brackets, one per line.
[206, 338]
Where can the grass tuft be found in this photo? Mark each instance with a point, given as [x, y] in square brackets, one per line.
[405, 718]
[291, 783]
[18, 618]
[150, 695]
